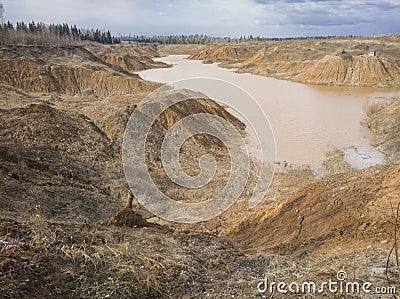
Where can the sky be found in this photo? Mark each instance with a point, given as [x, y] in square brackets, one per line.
[267, 18]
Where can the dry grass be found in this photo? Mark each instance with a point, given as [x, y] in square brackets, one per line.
[373, 106]
[42, 235]
[383, 119]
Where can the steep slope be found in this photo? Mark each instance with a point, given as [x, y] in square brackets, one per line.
[73, 166]
[342, 212]
[262, 56]
[129, 58]
[222, 53]
[338, 61]
[70, 70]
[273, 62]
[385, 123]
[266, 55]
[59, 161]
[351, 70]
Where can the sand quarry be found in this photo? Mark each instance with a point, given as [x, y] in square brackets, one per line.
[66, 230]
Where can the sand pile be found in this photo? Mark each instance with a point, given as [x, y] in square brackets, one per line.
[351, 70]
[69, 70]
[129, 58]
[328, 62]
[351, 209]
[129, 218]
[222, 53]
[58, 160]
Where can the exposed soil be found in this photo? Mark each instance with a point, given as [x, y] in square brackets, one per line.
[351, 70]
[64, 231]
[341, 212]
[129, 218]
[222, 53]
[385, 123]
[129, 58]
[98, 261]
[59, 146]
[337, 61]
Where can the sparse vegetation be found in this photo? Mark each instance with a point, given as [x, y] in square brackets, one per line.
[383, 118]
[64, 230]
[373, 106]
[340, 61]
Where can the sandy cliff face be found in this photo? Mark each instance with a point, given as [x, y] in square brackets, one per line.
[222, 53]
[351, 70]
[78, 102]
[128, 57]
[330, 70]
[314, 62]
[351, 210]
[266, 55]
[71, 70]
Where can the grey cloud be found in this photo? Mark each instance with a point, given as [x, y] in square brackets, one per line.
[325, 13]
[216, 17]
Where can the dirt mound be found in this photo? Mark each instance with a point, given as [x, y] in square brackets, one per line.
[222, 53]
[181, 49]
[278, 69]
[351, 70]
[58, 160]
[315, 61]
[341, 212]
[71, 70]
[98, 118]
[275, 62]
[277, 55]
[260, 57]
[360, 70]
[129, 218]
[385, 123]
[95, 261]
[129, 58]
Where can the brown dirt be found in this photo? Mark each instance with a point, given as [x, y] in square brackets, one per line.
[385, 123]
[222, 53]
[61, 150]
[98, 261]
[58, 160]
[127, 217]
[61, 128]
[351, 210]
[128, 57]
[337, 61]
[66, 70]
[351, 70]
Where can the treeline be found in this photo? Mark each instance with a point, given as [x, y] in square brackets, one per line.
[169, 39]
[54, 34]
[206, 39]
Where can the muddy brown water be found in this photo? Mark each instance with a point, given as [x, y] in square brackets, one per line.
[307, 121]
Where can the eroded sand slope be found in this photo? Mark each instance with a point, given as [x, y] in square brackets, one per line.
[337, 61]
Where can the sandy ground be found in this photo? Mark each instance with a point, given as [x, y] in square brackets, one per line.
[339, 61]
[64, 231]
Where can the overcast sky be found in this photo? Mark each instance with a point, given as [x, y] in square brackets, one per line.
[269, 18]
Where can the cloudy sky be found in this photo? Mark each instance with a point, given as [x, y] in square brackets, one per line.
[269, 18]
